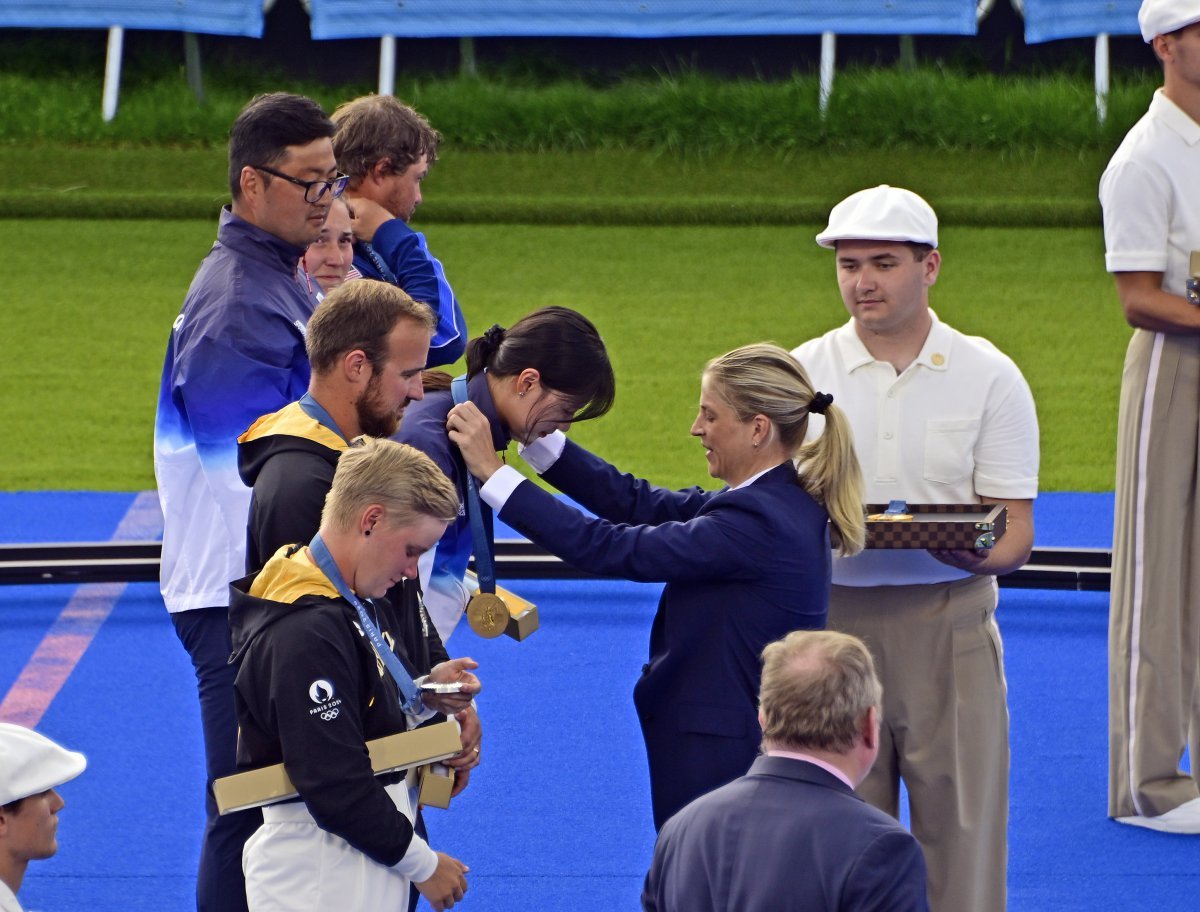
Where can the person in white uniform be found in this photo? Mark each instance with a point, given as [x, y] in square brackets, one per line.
[938, 417]
[1151, 198]
[32, 767]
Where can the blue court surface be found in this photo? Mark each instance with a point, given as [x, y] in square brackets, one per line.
[557, 816]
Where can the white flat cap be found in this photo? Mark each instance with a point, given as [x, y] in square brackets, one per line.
[31, 763]
[882, 213]
[1160, 17]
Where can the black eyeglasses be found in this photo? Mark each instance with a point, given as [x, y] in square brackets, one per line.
[314, 189]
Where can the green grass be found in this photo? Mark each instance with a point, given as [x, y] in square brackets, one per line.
[690, 115]
[676, 212]
[615, 186]
[89, 304]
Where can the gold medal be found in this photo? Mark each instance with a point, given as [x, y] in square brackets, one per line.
[487, 614]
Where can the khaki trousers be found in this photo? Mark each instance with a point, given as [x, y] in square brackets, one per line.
[944, 729]
[1154, 614]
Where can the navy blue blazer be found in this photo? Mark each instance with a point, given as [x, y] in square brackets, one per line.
[786, 837]
[742, 568]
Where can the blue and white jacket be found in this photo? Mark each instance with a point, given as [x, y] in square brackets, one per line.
[236, 352]
[443, 570]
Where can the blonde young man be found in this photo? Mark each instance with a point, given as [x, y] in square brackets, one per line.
[1151, 197]
[938, 417]
[32, 767]
[316, 648]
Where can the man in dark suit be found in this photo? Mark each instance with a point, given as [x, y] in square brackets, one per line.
[791, 835]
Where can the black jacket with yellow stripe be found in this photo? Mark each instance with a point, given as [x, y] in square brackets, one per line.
[288, 458]
[310, 693]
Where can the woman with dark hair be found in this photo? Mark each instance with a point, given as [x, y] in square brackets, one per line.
[547, 371]
[744, 565]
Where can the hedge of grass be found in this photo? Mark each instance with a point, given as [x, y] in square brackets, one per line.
[1049, 188]
[693, 114]
[1016, 213]
[987, 150]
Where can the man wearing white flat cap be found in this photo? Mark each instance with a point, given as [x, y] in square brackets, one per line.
[938, 417]
[31, 768]
[1151, 198]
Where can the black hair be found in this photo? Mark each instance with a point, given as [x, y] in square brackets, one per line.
[564, 347]
[265, 128]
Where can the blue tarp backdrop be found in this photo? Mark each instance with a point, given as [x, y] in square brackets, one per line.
[638, 18]
[208, 17]
[1049, 20]
[1045, 20]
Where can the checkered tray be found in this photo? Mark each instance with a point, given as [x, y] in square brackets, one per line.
[939, 526]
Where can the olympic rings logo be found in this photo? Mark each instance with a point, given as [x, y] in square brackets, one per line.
[329, 715]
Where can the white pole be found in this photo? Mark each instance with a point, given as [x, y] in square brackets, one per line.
[1102, 77]
[112, 72]
[192, 66]
[828, 49]
[387, 65]
[466, 52]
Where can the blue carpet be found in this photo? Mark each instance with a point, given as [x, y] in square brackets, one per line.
[1077, 520]
[557, 817]
[1064, 520]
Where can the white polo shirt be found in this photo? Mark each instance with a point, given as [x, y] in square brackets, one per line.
[958, 424]
[1150, 192]
[8, 899]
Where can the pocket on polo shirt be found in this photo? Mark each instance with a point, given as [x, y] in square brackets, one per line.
[949, 445]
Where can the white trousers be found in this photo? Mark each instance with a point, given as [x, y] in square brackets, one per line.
[292, 865]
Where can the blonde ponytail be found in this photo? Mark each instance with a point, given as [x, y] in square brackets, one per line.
[829, 471]
[764, 379]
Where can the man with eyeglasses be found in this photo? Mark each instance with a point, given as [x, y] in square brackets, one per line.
[387, 149]
[236, 351]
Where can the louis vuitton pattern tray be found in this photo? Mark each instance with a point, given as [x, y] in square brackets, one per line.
[938, 526]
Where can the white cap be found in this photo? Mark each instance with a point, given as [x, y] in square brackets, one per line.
[882, 213]
[1160, 17]
[31, 763]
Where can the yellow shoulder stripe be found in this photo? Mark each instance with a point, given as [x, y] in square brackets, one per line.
[293, 421]
[288, 579]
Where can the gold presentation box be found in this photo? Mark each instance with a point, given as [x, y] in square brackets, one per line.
[522, 615]
[437, 782]
[937, 526]
[270, 784]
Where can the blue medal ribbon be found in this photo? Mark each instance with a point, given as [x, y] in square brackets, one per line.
[381, 267]
[481, 541]
[317, 412]
[409, 692]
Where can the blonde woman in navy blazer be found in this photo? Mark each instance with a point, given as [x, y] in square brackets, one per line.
[743, 565]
